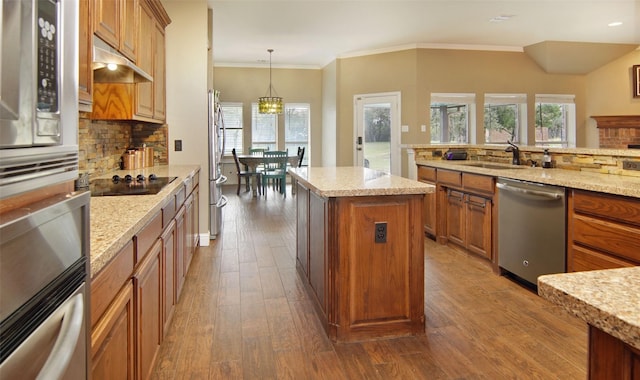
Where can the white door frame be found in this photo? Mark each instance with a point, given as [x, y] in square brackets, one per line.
[359, 101]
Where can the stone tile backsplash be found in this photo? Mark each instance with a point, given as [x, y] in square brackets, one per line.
[607, 161]
[102, 143]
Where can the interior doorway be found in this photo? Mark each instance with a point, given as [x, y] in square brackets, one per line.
[377, 131]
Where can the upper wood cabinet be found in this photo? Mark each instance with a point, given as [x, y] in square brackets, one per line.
[136, 101]
[116, 22]
[85, 56]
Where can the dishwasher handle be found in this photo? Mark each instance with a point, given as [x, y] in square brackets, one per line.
[543, 194]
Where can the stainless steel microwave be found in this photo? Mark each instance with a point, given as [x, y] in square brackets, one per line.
[38, 94]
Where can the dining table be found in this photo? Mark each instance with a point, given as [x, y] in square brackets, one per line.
[252, 162]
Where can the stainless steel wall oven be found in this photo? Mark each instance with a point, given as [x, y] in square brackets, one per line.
[38, 94]
[44, 296]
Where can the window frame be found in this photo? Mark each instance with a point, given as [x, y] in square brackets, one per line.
[445, 100]
[255, 116]
[298, 143]
[227, 127]
[569, 111]
[504, 99]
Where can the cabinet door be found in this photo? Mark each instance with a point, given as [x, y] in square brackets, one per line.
[148, 298]
[455, 217]
[429, 212]
[144, 91]
[106, 21]
[112, 339]
[195, 219]
[85, 55]
[128, 33]
[188, 226]
[478, 225]
[317, 248]
[302, 228]
[159, 108]
[179, 257]
[169, 297]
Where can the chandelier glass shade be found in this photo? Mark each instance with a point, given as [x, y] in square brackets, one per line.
[270, 104]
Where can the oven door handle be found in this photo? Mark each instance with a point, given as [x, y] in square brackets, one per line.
[62, 352]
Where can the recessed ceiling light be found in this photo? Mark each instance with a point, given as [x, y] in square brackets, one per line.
[500, 18]
[615, 23]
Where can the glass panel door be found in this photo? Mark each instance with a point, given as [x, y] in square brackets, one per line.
[377, 132]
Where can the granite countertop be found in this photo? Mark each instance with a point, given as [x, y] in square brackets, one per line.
[606, 299]
[604, 183]
[356, 181]
[115, 220]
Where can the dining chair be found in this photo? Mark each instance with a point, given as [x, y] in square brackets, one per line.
[300, 155]
[275, 169]
[258, 152]
[244, 174]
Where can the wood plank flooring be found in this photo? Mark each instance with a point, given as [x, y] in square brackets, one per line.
[244, 314]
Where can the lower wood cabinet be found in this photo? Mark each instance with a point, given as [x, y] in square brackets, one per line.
[112, 339]
[179, 255]
[611, 358]
[603, 231]
[134, 295]
[362, 288]
[169, 280]
[469, 222]
[428, 175]
[147, 282]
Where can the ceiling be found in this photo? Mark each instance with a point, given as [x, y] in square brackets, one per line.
[313, 33]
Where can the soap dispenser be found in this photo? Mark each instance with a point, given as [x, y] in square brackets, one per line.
[546, 159]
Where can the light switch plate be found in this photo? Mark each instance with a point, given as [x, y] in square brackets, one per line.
[405, 128]
[631, 165]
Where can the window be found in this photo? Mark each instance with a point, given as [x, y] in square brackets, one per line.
[450, 117]
[264, 129]
[555, 121]
[297, 118]
[232, 114]
[505, 118]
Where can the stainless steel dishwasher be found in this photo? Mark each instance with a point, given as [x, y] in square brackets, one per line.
[531, 228]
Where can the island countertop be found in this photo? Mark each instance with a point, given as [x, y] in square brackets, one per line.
[351, 181]
[606, 299]
[114, 220]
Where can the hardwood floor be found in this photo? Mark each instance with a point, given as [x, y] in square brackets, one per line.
[244, 314]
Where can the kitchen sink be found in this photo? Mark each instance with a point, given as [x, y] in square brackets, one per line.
[487, 165]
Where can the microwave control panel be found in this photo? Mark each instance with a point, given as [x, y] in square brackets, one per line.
[47, 29]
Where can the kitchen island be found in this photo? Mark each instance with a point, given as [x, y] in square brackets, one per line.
[360, 250]
[609, 301]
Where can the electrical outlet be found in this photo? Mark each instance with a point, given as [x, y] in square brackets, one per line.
[381, 232]
[177, 145]
[631, 165]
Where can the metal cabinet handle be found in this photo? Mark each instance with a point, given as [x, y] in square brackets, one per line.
[60, 357]
[542, 194]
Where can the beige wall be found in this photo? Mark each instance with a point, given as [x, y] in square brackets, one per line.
[246, 85]
[187, 92]
[609, 92]
[329, 114]
[416, 73]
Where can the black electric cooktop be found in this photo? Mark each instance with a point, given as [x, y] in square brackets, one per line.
[129, 185]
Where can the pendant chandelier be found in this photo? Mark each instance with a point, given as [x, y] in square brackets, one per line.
[270, 104]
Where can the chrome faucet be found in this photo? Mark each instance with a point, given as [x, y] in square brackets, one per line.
[513, 148]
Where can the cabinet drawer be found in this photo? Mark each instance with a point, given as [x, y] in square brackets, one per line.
[180, 197]
[617, 239]
[426, 174]
[607, 206]
[477, 182]
[581, 259]
[106, 284]
[449, 177]
[147, 236]
[168, 211]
